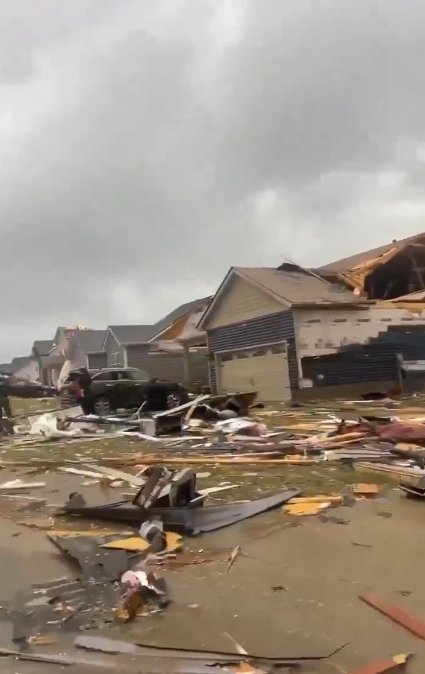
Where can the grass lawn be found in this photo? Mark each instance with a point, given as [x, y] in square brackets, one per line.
[24, 406]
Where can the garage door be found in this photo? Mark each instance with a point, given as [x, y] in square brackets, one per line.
[264, 369]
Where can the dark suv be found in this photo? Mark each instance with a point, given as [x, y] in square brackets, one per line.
[104, 391]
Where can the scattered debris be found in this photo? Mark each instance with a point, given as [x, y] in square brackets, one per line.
[365, 490]
[235, 552]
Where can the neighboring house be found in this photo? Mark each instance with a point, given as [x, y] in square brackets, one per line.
[126, 345]
[90, 343]
[25, 367]
[156, 349]
[79, 346]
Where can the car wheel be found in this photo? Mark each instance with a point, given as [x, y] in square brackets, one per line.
[102, 406]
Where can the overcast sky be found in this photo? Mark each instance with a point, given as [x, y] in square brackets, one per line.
[147, 146]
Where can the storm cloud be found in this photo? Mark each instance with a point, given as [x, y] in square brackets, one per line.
[147, 147]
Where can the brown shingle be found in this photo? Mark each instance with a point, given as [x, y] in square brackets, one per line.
[296, 285]
[349, 263]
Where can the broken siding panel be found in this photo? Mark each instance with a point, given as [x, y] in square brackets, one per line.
[113, 350]
[97, 360]
[241, 301]
[257, 332]
[321, 332]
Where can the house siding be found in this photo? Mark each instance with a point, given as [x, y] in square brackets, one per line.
[167, 365]
[112, 347]
[256, 332]
[241, 301]
[138, 356]
[97, 360]
[348, 346]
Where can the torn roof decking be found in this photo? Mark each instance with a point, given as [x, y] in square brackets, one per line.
[354, 271]
[379, 254]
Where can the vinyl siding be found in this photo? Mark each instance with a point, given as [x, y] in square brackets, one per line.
[167, 365]
[97, 360]
[137, 356]
[241, 301]
[112, 347]
[256, 332]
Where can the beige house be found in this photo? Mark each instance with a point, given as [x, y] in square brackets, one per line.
[288, 334]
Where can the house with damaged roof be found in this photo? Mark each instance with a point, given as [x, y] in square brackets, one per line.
[291, 333]
[159, 349]
[80, 346]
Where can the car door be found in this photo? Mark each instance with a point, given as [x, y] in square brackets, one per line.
[124, 389]
[138, 388]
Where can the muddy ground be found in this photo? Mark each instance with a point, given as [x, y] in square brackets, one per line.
[294, 590]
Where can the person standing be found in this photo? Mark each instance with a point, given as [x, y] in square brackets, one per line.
[4, 400]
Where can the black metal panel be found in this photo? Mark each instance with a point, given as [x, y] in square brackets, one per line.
[256, 332]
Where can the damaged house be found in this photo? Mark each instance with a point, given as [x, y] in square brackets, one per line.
[158, 349]
[384, 273]
[291, 333]
[80, 346]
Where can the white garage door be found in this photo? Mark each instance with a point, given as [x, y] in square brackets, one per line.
[263, 369]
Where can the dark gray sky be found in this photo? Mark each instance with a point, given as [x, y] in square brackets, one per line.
[148, 146]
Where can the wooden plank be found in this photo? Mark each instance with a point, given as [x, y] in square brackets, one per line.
[397, 614]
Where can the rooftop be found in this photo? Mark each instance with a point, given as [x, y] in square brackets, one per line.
[296, 286]
[178, 313]
[42, 347]
[133, 334]
[90, 341]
